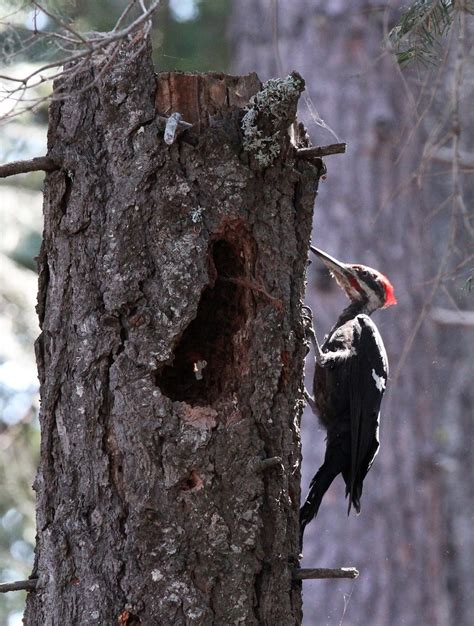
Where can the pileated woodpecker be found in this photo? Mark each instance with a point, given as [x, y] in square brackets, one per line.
[350, 377]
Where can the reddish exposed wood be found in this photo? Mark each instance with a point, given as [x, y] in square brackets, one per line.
[199, 97]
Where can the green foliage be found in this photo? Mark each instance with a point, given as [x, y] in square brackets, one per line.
[27, 249]
[193, 42]
[197, 44]
[19, 444]
[419, 33]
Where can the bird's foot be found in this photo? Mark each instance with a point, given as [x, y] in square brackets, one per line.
[294, 559]
[310, 335]
[302, 527]
[307, 317]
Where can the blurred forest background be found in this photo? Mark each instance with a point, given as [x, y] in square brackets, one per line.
[399, 200]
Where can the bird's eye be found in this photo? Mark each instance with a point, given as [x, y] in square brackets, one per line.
[365, 273]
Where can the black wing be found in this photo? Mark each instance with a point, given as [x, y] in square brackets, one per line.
[367, 381]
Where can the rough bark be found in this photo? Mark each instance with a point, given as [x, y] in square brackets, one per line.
[170, 357]
[371, 211]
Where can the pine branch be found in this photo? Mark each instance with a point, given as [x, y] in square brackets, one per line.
[418, 34]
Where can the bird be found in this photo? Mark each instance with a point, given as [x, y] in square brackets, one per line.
[350, 378]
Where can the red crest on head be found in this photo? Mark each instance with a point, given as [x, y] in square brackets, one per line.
[389, 292]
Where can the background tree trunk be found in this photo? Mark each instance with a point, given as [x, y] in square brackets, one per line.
[374, 211]
[453, 389]
[170, 358]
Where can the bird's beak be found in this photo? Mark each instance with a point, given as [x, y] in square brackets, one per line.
[330, 262]
[342, 272]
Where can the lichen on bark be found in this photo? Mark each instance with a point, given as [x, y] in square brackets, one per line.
[268, 116]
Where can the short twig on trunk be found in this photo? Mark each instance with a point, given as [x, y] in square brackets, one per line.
[37, 164]
[325, 572]
[321, 151]
[19, 585]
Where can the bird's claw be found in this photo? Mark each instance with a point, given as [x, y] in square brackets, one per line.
[307, 317]
[307, 312]
[310, 401]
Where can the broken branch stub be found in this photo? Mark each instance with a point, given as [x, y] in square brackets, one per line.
[171, 354]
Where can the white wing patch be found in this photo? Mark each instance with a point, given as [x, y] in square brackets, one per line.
[380, 381]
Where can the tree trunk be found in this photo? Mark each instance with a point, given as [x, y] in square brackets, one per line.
[453, 388]
[171, 353]
[372, 212]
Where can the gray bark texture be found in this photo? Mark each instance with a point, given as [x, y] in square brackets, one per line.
[411, 541]
[171, 354]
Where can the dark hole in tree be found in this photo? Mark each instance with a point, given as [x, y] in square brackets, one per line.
[205, 361]
[193, 482]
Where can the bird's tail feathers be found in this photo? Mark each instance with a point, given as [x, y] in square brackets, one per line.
[354, 492]
[318, 487]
